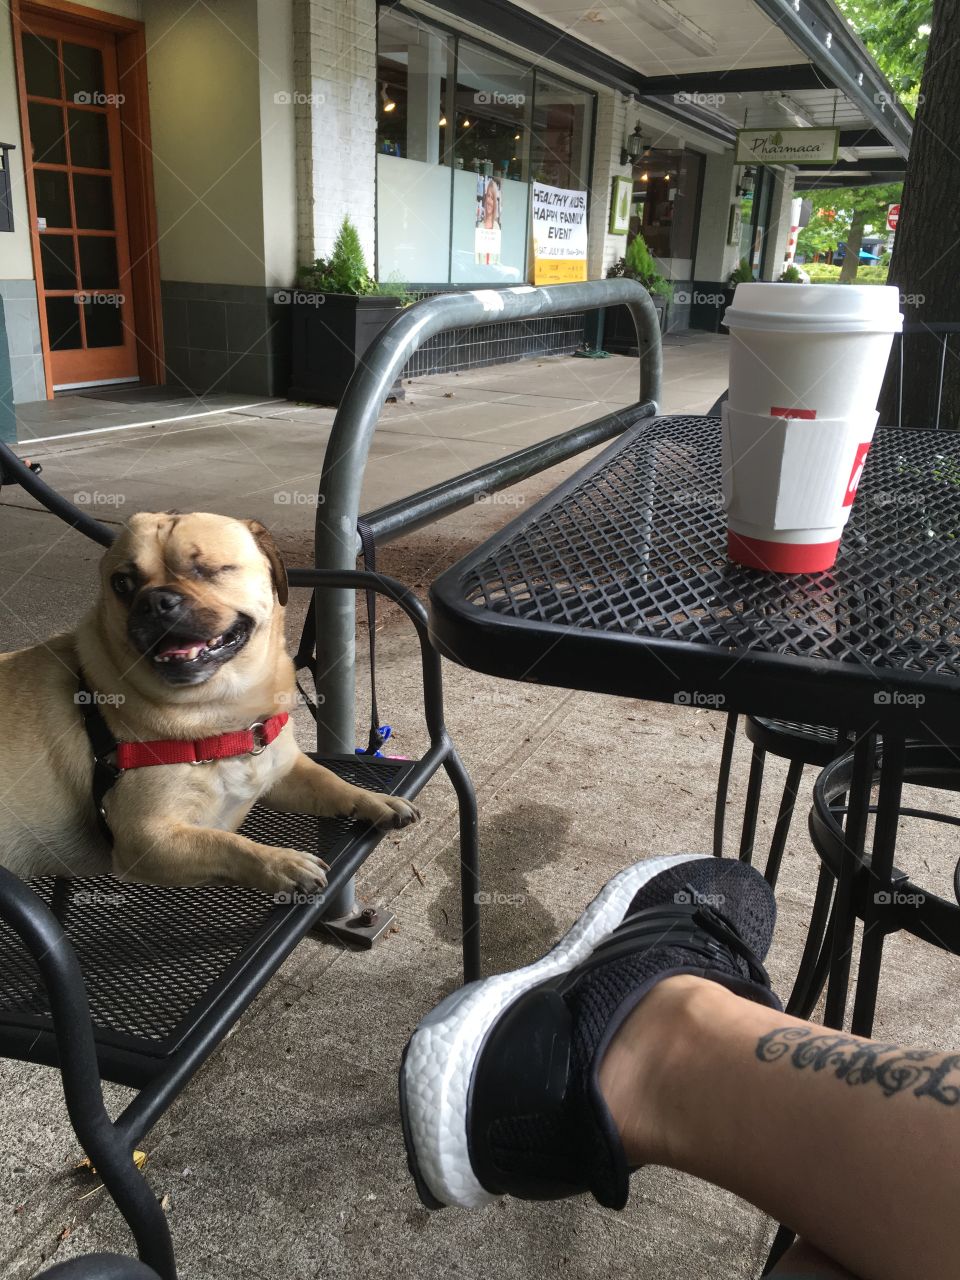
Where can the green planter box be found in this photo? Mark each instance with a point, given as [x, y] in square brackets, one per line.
[329, 336]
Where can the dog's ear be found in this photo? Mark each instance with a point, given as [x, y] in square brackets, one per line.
[264, 540]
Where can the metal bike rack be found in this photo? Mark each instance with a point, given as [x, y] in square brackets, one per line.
[345, 460]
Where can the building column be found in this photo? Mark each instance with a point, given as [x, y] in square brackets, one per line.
[779, 223]
[613, 118]
[335, 73]
[715, 258]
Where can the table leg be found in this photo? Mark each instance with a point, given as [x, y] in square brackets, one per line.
[855, 830]
[879, 884]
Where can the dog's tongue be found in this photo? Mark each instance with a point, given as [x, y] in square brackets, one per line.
[185, 650]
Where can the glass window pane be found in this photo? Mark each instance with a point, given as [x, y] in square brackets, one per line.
[63, 324]
[82, 73]
[493, 100]
[102, 319]
[560, 139]
[53, 197]
[56, 258]
[93, 201]
[47, 134]
[98, 263]
[414, 70]
[40, 66]
[666, 194]
[89, 142]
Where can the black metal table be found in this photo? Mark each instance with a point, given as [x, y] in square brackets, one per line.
[618, 582]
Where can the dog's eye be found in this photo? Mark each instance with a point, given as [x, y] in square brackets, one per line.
[122, 584]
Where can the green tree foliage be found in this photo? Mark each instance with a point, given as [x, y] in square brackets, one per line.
[844, 213]
[896, 32]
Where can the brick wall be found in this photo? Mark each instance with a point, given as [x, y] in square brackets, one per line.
[335, 69]
[612, 120]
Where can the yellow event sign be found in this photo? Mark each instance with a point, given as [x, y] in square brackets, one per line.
[559, 234]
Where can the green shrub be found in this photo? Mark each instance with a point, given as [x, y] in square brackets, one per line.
[742, 273]
[639, 264]
[791, 274]
[828, 273]
[345, 271]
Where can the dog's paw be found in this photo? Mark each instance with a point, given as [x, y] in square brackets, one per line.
[292, 871]
[387, 813]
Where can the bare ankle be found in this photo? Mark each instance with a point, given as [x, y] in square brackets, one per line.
[643, 1068]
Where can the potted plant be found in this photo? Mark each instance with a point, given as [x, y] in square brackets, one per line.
[638, 263]
[338, 309]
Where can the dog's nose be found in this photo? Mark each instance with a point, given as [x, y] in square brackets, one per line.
[159, 602]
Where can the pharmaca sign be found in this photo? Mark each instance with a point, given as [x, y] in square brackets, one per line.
[787, 146]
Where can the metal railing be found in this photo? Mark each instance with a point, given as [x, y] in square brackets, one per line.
[345, 459]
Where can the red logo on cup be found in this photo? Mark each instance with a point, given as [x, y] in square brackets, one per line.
[778, 411]
[856, 473]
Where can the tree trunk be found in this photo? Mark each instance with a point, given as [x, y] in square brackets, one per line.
[926, 254]
[851, 259]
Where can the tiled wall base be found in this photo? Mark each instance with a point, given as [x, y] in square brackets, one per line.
[221, 337]
[22, 324]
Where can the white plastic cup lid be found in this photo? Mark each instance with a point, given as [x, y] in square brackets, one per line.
[816, 308]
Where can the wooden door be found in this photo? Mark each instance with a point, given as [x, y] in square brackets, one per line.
[74, 151]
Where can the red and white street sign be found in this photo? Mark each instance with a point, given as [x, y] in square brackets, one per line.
[893, 217]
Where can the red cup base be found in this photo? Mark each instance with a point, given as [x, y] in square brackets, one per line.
[781, 557]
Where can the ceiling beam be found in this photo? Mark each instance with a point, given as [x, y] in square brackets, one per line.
[740, 80]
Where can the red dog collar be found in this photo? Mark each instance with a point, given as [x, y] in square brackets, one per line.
[242, 742]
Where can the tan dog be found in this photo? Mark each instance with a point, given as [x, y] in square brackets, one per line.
[186, 641]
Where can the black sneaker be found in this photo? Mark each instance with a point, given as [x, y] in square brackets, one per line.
[499, 1090]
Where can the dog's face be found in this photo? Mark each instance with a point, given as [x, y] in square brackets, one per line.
[190, 594]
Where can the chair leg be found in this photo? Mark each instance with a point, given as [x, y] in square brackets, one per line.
[723, 782]
[784, 816]
[752, 806]
[815, 962]
[469, 864]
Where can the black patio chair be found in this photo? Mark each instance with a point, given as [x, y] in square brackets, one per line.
[69, 995]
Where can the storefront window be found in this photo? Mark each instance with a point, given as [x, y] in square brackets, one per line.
[666, 194]
[561, 133]
[461, 133]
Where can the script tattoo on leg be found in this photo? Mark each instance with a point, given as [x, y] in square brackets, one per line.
[890, 1067]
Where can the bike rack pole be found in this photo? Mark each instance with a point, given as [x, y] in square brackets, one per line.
[346, 454]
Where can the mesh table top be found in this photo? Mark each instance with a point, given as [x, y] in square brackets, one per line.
[619, 582]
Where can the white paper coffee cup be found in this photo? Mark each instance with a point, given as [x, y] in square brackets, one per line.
[788, 486]
[819, 349]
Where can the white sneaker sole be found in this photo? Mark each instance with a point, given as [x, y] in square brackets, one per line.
[439, 1059]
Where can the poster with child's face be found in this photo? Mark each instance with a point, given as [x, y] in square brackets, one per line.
[487, 234]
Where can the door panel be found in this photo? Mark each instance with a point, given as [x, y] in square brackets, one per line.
[76, 172]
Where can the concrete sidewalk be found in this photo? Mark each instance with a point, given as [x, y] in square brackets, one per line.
[284, 1156]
